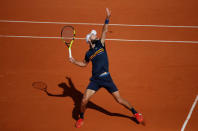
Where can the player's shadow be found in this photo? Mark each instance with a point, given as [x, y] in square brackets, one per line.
[71, 91]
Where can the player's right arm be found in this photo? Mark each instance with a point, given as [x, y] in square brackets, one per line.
[105, 27]
[78, 63]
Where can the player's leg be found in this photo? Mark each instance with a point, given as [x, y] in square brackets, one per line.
[108, 83]
[90, 91]
[86, 97]
[126, 104]
[121, 100]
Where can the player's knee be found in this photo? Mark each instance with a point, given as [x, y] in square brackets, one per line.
[85, 101]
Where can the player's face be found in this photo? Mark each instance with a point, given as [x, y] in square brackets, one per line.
[93, 37]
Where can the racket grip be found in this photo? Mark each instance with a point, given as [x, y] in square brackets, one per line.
[70, 55]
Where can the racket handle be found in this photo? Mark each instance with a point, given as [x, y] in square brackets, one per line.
[70, 55]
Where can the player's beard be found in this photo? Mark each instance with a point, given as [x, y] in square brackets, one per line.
[94, 41]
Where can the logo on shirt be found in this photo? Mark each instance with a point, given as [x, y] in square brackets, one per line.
[96, 53]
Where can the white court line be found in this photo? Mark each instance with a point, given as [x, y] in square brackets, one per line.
[189, 114]
[98, 24]
[123, 40]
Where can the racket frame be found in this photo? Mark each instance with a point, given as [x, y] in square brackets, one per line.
[69, 45]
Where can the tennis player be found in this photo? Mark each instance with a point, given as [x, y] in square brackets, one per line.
[100, 72]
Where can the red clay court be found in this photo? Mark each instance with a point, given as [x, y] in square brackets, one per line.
[153, 53]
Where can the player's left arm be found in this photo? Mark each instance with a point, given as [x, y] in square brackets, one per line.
[105, 27]
[83, 63]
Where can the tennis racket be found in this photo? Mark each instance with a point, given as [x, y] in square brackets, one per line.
[68, 35]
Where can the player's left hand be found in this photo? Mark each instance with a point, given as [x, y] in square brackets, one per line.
[71, 59]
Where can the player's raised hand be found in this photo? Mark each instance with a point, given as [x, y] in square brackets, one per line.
[108, 13]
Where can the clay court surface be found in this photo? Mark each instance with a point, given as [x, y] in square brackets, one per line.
[158, 78]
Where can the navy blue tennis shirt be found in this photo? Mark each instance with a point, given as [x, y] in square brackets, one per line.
[98, 57]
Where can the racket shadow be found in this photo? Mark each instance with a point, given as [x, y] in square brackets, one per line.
[71, 91]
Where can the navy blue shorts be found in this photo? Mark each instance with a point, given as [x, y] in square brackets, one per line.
[102, 81]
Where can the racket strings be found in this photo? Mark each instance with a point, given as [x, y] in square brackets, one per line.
[68, 34]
